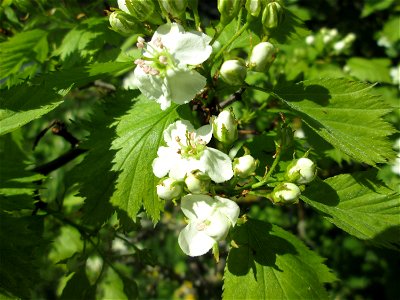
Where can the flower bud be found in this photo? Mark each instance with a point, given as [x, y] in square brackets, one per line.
[122, 23]
[244, 166]
[233, 72]
[253, 7]
[197, 183]
[228, 10]
[301, 171]
[272, 15]
[175, 8]
[286, 193]
[142, 10]
[225, 127]
[169, 189]
[262, 56]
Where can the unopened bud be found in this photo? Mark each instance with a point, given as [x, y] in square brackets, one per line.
[197, 183]
[225, 127]
[253, 7]
[169, 189]
[286, 193]
[122, 23]
[262, 56]
[272, 15]
[233, 72]
[175, 8]
[228, 9]
[301, 171]
[244, 166]
[142, 10]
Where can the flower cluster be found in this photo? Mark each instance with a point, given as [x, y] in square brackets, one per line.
[165, 71]
[188, 167]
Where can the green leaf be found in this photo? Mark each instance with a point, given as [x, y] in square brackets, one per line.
[390, 29]
[372, 70]
[292, 27]
[371, 6]
[78, 287]
[346, 114]
[23, 103]
[94, 176]
[21, 49]
[117, 286]
[140, 133]
[360, 205]
[21, 244]
[271, 263]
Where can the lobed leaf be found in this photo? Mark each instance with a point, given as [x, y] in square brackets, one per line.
[372, 70]
[360, 205]
[271, 263]
[346, 114]
[140, 133]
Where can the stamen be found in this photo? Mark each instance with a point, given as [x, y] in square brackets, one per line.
[154, 72]
[139, 62]
[158, 43]
[140, 45]
[163, 59]
[201, 226]
[141, 40]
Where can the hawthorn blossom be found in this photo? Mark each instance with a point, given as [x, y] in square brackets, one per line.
[209, 222]
[186, 151]
[163, 73]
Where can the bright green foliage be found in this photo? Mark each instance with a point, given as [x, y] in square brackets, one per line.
[360, 205]
[371, 6]
[271, 263]
[22, 104]
[117, 286]
[22, 54]
[140, 133]
[372, 70]
[346, 114]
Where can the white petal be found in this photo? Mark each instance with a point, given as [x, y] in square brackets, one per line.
[189, 48]
[219, 226]
[194, 242]
[218, 165]
[228, 208]
[204, 133]
[180, 168]
[167, 31]
[184, 84]
[197, 207]
[151, 86]
[122, 6]
[165, 161]
[177, 130]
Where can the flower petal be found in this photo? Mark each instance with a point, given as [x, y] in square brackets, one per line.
[228, 208]
[166, 159]
[219, 226]
[218, 165]
[204, 133]
[189, 48]
[197, 207]
[177, 130]
[184, 84]
[194, 242]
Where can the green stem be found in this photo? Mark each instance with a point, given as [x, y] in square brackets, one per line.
[196, 18]
[237, 34]
[271, 170]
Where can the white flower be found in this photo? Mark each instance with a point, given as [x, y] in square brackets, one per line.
[262, 56]
[169, 189]
[186, 151]
[233, 72]
[310, 39]
[209, 222]
[225, 127]
[163, 74]
[286, 193]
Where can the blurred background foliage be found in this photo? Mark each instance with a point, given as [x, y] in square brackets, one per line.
[120, 258]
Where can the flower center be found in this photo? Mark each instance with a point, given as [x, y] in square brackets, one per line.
[193, 148]
[203, 225]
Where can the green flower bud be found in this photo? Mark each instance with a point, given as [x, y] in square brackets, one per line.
[286, 193]
[262, 56]
[253, 7]
[225, 127]
[233, 72]
[272, 15]
[142, 10]
[169, 189]
[175, 8]
[244, 166]
[197, 183]
[301, 171]
[123, 23]
[229, 10]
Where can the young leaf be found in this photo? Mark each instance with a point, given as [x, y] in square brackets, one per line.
[140, 133]
[271, 263]
[360, 205]
[346, 114]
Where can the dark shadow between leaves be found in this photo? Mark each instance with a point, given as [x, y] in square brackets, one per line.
[256, 245]
[390, 238]
[321, 192]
